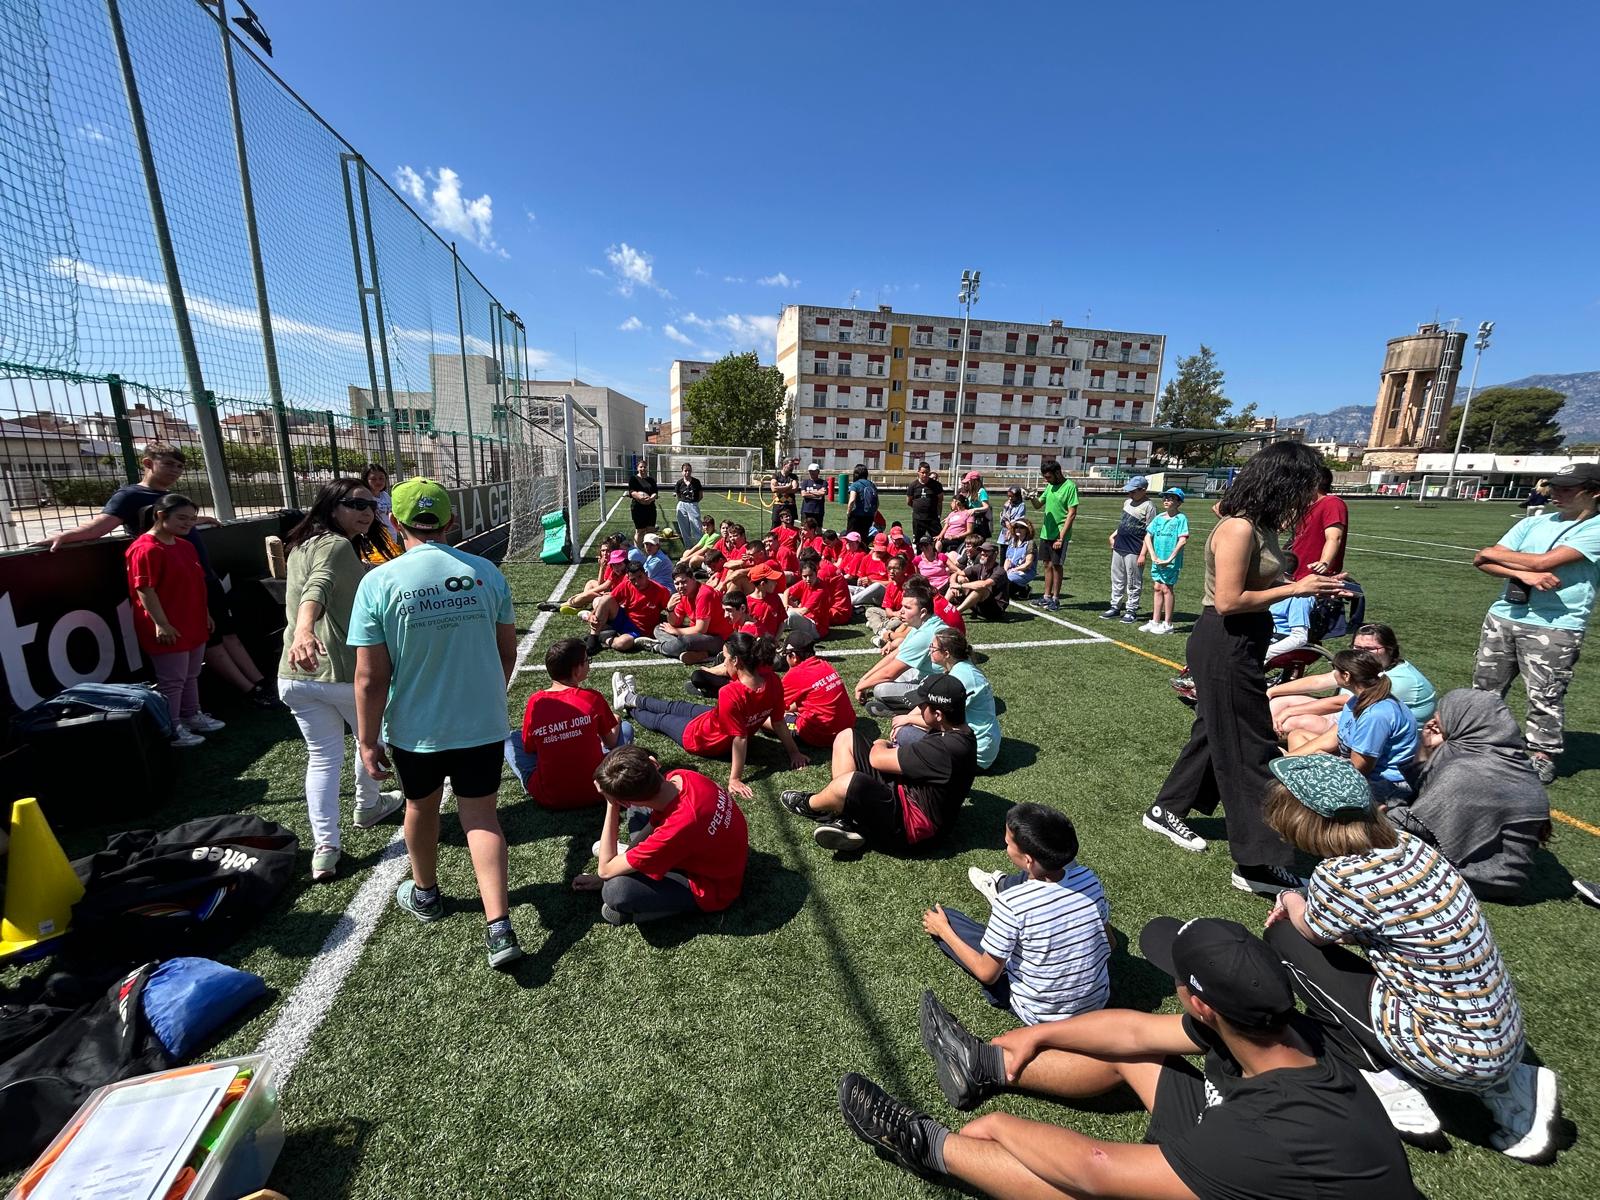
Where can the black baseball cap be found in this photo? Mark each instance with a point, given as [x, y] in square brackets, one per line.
[1224, 964]
[946, 693]
[1585, 475]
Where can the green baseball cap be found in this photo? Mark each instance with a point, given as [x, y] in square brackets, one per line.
[421, 503]
[1325, 783]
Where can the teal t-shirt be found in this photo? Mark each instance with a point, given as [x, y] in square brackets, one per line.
[1164, 534]
[436, 608]
[916, 645]
[1568, 606]
[1409, 686]
[981, 716]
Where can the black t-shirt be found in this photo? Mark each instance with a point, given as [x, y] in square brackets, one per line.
[813, 494]
[927, 499]
[688, 490]
[643, 514]
[1316, 1133]
[129, 500]
[784, 485]
[937, 771]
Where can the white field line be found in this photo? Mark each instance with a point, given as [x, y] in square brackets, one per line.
[289, 1036]
[635, 664]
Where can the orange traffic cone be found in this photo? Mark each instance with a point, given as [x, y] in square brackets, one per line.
[41, 886]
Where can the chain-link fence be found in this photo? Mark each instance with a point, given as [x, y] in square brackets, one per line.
[190, 254]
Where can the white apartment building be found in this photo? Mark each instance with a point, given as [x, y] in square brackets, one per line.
[682, 373]
[881, 387]
[621, 417]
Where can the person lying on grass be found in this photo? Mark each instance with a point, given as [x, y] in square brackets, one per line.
[1270, 1116]
[894, 797]
[687, 841]
[1044, 953]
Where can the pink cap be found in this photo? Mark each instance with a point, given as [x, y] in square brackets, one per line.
[618, 557]
[970, 476]
[852, 536]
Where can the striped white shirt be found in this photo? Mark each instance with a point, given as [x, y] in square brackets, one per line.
[1052, 938]
[1443, 1006]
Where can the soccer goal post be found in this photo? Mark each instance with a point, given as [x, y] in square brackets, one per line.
[1442, 487]
[714, 466]
[557, 485]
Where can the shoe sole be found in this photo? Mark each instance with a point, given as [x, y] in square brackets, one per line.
[366, 822]
[502, 958]
[428, 919]
[929, 1019]
[1158, 827]
[1587, 891]
[838, 840]
[1260, 889]
[1546, 1112]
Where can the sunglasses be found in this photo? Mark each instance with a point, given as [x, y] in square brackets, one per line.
[359, 505]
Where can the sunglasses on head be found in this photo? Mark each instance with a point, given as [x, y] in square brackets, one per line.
[359, 505]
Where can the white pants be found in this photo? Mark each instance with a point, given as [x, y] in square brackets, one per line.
[1127, 577]
[323, 712]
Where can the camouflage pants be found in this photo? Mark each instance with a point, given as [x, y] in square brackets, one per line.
[1545, 658]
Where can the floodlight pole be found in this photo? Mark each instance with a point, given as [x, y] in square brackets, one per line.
[967, 297]
[1481, 344]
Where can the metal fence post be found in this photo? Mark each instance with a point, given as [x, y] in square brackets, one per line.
[333, 445]
[205, 414]
[269, 346]
[377, 314]
[362, 290]
[570, 428]
[119, 413]
[461, 329]
[455, 456]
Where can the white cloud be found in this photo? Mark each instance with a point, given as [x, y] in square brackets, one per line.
[673, 333]
[439, 195]
[91, 132]
[698, 322]
[700, 273]
[632, 268]
[733, 279]
[740, 329]
[632, 325]
[531, 217]
[778, 280]
[596, 272]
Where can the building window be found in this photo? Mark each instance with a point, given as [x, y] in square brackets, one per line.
[953, 342]
[1009, 377]
[894, 417]
[894, 385]
[1027, 377]
[899, 351]
[949, 374]
[846, 335]
[919, 403]
[975, 342]
[924, 339]
[877, 335]
[1077, 364]
[844, 368]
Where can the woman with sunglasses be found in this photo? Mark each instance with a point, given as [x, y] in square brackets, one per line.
[316, 675]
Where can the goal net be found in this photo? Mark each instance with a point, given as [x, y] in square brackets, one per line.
[1442, 487]
[555, 454]
[714, 466]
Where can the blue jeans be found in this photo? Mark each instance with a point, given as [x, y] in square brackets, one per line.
[971, 932]
[522, 760]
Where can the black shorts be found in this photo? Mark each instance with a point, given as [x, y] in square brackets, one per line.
[1180, 1101]
[644, 516]
[473, 771]
[991, 609]
[221, 610]
[872, 802]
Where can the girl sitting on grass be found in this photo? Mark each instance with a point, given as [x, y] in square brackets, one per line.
[613, 557]
[1375, 731]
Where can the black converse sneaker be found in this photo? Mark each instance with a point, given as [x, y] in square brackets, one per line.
[799, 803]
[1159, 820]
[1266, 881]
[895, 1130]
[965, 1066]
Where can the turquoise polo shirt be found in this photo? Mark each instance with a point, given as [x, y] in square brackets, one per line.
[1568, 606]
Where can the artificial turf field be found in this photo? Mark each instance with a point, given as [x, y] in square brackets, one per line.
[700, 1059]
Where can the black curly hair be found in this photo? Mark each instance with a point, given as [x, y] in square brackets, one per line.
[1276, 487]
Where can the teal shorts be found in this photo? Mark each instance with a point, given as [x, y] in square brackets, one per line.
[1167, 574]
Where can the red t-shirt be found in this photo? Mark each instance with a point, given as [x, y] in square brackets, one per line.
[786, 561]
[817, 544]
[707, 607]
[703, 837]
[563, 726]
[788, 536]
[838, 588]
[611, 576]
[947, 613]
[894, 595]
[824, 705]
[850, 562]
[816, 600]
[740, 711]
[643, 604]
[1308, 539]
[872, 568]
[180, 584]
[766, 614]
[829, 553]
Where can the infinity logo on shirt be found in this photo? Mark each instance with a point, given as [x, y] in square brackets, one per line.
[459, 583]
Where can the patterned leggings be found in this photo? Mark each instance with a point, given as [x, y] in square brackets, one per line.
[1545, 658]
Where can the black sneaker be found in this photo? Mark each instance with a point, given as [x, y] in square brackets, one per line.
[799, 803]
[894, 1130]
[837, 836]
[1587, 890]
[1159, 820]
[262, 696]
[503, 948]
[549, 606]
[879, 710]
[958, 1057]
[1266, 881]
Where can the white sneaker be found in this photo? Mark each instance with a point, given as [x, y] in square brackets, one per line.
[1148, 627]
[1408, 1110]
[1164, 627]
[623, 695]
[1524, 1106]
[205, 723]
[366, 816]
[183, 737]
[985, 881]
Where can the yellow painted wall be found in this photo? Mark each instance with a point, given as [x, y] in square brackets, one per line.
[895, 402]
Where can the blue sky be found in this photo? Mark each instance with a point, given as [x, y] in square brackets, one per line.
[1290, 184]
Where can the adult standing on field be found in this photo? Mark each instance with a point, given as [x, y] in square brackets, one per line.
[1232, 739]
[813, 495]
[1320, 536]
[435, 645]
[686, 516]
[642, 491]
[1059, 499]
[785, 486]
[1536, 627]
[862, 507]
[926, 498]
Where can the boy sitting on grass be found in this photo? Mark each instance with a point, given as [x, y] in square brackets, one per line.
[687, 843]
[1045, 952]
[566, 730]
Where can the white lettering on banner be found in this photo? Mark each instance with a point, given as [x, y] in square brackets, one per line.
[15, 640]
[228, 858]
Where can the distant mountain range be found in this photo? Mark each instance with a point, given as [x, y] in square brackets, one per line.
[1580, 417]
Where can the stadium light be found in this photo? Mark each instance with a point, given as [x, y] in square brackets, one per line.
[967, 297]
[1481, 343]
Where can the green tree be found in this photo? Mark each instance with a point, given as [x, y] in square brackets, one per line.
[1193, 398]
[1510, 421]
[737, 402]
